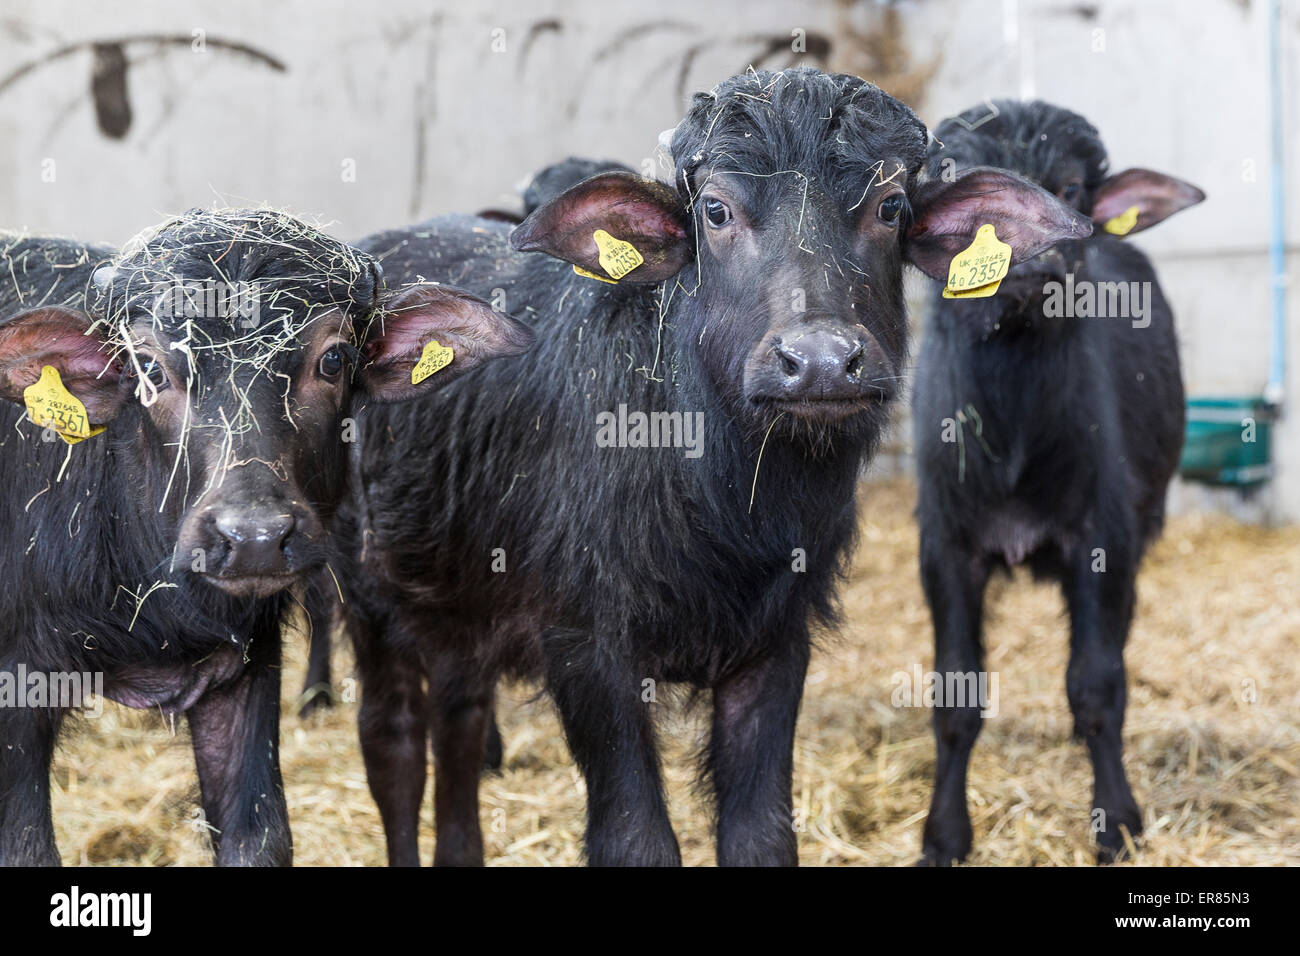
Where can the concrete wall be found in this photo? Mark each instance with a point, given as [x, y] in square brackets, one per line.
[384, 113]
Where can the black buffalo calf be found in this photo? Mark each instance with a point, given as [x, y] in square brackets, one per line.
[1048, 422]
[752, 311]
[321, 596]
[195, 390]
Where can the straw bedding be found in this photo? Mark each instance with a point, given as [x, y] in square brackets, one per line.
[1212, 739]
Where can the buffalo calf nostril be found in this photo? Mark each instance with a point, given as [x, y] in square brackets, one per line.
[853, 367]
[789, 364]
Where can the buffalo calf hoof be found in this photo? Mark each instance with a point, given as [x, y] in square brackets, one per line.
[462, 857]
[315, 699]
[778, 850]
[1111, 845]
[639, 849]
[945, 843]
[936, 859]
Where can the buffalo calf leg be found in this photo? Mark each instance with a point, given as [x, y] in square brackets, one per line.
[1101, 608]
[494, 751]
[751, 759]
[954, 587]
[27, 738]
[611, 735]
[394, 740]
[235, 731]
[461, 712]
[317, 687]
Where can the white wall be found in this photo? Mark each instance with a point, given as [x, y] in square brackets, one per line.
[434, 119]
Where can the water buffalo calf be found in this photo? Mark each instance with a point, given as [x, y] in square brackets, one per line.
[222, 354]
[1048, 422]
[664, 490]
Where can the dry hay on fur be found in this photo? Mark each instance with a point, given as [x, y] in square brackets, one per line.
[1216, 776]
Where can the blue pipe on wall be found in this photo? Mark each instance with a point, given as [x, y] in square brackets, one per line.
[1275, 390]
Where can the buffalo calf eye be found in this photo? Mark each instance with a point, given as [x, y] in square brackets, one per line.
[153, 371]
[331, 363]
[716, 212]
[891, 208]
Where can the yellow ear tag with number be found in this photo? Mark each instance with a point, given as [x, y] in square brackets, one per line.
[977, 270]
[1122, 224]
[591, 275]
[617, 257]
[434, 358]
[51, 405]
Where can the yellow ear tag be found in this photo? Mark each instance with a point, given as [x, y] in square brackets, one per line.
[1122, 224]
[434, 358]
[617, 257]
[50, 405]
[591, 275]
[977, 270]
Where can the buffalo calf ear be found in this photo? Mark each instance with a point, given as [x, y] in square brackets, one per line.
[399, 338]
[1155, 197]
[639, 211]
[58, 337]
[948, 214]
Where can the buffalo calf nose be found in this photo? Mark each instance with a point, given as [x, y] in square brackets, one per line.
[255, 541]
[829, 365]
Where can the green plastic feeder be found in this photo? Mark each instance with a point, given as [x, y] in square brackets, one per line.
[1216, 450]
